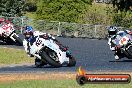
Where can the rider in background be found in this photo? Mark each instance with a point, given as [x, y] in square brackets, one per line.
[112, 31]
[114, 37]
[4, 24]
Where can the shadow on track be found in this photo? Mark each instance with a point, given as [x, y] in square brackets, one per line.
[49, 66]
[116, 61]
[32, 68]
[9, 43]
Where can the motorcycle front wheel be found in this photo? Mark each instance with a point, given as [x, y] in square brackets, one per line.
[51, 58]
[72, 61]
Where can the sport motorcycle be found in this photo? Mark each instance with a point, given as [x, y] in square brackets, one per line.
[124, 46]
[48, 50]
[9, 35]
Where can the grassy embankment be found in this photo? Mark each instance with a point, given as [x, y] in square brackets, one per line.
[58, 84]
[13, 56]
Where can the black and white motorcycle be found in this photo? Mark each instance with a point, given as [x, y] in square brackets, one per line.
[123, 41]
[47, 50]
[8, 34]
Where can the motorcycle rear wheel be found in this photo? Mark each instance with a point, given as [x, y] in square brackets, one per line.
[18, 40]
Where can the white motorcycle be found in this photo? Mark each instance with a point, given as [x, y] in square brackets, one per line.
[8, 34]
[48, 50]
[124, 48]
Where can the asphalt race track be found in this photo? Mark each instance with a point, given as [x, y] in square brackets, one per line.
[91, 54]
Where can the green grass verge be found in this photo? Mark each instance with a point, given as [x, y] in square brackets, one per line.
[58, 84]
[31, 15]
[13, 56]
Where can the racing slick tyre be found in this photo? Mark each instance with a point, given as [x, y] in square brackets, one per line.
[18, 40]
[128, 51]
[72, 61]
[51, 58]
[39, 63]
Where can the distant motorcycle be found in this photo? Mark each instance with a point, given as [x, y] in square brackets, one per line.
[124, 48]
[49, 51]
[9, 35]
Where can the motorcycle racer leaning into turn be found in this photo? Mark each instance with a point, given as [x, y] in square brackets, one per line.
[30, 37]
[114, 36]
[46, 49]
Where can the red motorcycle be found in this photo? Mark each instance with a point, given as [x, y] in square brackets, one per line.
[8, 35]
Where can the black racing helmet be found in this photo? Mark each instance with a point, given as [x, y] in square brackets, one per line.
[112, 30]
